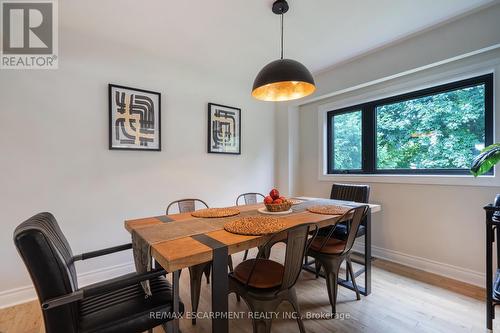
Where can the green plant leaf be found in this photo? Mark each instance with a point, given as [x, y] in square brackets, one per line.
[485, 161]
[490, 147]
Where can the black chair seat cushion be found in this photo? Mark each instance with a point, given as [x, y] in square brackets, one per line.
[340, 231]
[267, 273]
[127, 309]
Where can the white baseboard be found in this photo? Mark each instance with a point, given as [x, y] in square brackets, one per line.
[428, 265]
[27, 293]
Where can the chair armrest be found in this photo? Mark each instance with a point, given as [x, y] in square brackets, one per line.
[102, 252]
[101, 288]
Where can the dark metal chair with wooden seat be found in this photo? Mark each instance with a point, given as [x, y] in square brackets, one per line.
[116, 305]
[347, 192]
[186, 205]
[330, 253]
[264, 284]
[250, 198]
[195, 272]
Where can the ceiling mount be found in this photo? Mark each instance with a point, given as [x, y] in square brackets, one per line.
[280, 7]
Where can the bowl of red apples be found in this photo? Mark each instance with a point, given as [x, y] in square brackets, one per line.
[276, 203]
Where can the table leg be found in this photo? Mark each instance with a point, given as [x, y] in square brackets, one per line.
[220, 283]
[220, 290]
[176, 298]
[368, 254]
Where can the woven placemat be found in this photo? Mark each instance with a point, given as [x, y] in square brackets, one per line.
[254, 225]
[215, 212]
[328, 209]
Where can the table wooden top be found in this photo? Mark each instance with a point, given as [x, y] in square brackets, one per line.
[181, 252]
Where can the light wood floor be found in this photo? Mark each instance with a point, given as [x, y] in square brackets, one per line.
[403, 300]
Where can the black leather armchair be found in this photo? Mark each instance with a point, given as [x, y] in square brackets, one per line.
[116, 305]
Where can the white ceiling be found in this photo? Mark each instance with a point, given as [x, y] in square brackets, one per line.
[237, 37]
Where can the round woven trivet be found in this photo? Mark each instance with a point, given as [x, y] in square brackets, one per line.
[328, 209]
[254, 225]
[216, 212]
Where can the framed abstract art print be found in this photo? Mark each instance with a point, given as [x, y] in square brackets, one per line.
[224, 129]
[134, 119]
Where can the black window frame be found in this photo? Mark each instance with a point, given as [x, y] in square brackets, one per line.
[369, 128]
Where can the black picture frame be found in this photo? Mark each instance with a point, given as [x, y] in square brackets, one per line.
[111, 126]
[210, 146]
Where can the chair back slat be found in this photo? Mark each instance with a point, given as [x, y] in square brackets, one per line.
[353, 217]
[186, 205]
[250, 198]
[297, 243]
[350, 192]
[49, 260]
[298, 239]
[358, 217]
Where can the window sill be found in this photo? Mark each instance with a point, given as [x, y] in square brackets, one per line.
[449, 180]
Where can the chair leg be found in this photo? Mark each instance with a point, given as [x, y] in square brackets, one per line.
[266, 253]
[195, 276]
[206, 271]
[245, 256]
[317, 268]
[332, 272]
[230, 263]
[167, 327]
[262, 325]
[351, 272]
[292, 298]
[231, 268]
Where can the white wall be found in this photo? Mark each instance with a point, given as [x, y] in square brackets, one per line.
[55, 157]
[432, 227]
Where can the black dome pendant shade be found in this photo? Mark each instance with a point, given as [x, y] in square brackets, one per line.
[283, 79]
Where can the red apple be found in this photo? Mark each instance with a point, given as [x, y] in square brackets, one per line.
[282, 198]
[268, 200]
[275, 194]
[277, 201]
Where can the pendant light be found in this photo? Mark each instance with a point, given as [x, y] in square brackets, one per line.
[282, 79]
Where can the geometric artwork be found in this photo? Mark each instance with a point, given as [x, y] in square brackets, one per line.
[134, 119]
[224, 129]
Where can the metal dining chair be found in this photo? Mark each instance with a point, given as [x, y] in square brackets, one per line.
[186, 205]
[330, 253]
[195, 272]
[115, 305]
[250, 198]
[264, 284]
[356, 193]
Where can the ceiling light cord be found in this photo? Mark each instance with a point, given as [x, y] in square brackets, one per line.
[281, 36]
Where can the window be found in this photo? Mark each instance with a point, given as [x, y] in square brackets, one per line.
[347, 137]
[433, 131]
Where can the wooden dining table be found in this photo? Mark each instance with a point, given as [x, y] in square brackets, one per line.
[193, 241]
